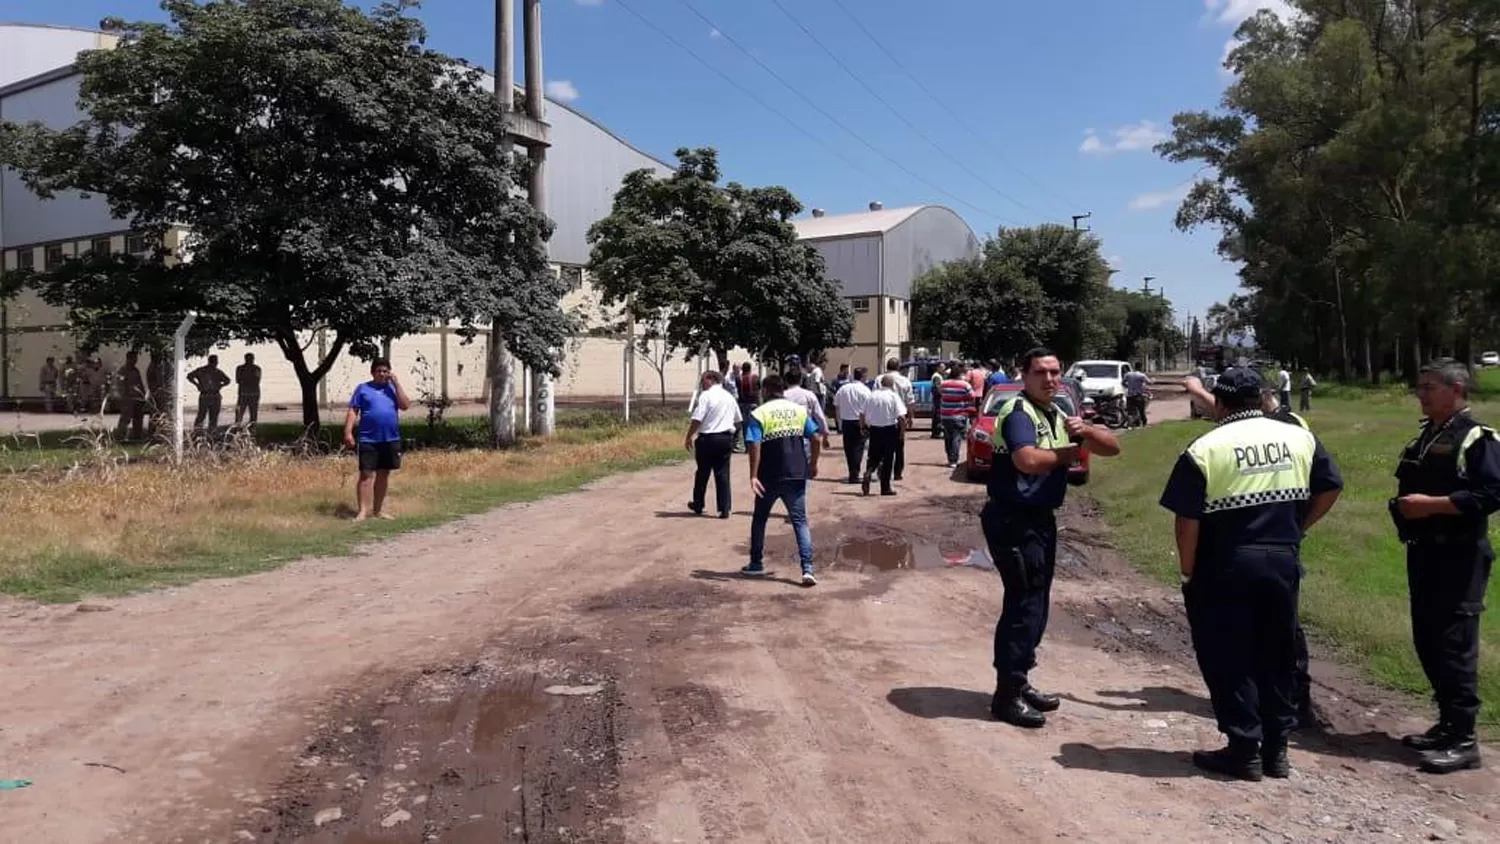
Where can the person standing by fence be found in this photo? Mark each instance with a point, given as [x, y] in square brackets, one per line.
[247, 379]
[210, 381]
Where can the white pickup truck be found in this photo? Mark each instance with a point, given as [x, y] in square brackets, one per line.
[1099, 378]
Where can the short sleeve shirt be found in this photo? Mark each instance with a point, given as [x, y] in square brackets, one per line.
[1009, 485]
[379, 418]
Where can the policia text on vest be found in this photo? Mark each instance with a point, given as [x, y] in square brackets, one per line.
[1448, 484]
[1244, 494]
[1035, 444]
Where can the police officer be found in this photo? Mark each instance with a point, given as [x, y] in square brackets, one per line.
[1448, 483]
[1034, 446]
[1244, 494]
[1307, 717]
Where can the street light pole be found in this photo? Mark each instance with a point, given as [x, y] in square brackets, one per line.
[1084, 216]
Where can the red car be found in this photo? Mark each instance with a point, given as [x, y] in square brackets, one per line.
[980, 442]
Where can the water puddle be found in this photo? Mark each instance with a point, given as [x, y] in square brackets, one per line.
[502, 711]
[899, 552]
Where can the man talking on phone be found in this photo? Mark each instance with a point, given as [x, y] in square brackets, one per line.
[376, 409]
[1034, 446]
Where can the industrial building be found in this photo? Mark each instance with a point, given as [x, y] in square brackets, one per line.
[875, 256]
[586, 163]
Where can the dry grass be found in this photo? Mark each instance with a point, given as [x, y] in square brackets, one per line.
[109, 527]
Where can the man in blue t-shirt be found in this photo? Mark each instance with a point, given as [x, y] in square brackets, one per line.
[376, 408]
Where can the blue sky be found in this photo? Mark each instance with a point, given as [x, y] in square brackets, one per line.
[1057, 104]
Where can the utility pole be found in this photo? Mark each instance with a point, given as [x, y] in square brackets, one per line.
[528, 129]
[1084, 216]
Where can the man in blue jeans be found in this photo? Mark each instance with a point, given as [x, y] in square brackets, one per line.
[376, 408]
[782, 438]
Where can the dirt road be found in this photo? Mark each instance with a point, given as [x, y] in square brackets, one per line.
[587, 668]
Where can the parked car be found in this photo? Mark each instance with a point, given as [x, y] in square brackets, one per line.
[1100, 377]
[1489, 359]
[980, 445]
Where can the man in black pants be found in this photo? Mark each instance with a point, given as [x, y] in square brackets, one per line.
[849, 403]
[1448, 486]
[710, 438]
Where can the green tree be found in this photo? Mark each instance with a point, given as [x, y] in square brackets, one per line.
[331, 174]
[988, 305]
[722, 261]
[1074, 278]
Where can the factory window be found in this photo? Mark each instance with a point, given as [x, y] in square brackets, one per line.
[25, 259]
[99, 246]
[138, 244]
[860, 305]
[54, 257]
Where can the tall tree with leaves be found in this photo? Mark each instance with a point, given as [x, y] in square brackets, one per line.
[1003, 311]
[331, 173]
[723, 262]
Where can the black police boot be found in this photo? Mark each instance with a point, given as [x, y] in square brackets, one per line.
[1273, 759]
[1009, 706]
[1435, 738]
[1039, 700]
[1239, 759]
[1460, 754]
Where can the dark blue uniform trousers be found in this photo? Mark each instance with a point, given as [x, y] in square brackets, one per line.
[1023, 543]
[1242, 608]
[1448, 582]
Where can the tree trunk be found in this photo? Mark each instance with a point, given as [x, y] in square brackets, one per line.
[308, 378]
[311, 413]
[502, 391]
[1372, 370]
[721, 356]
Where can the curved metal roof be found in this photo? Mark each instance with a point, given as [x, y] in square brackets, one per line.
[864, 222]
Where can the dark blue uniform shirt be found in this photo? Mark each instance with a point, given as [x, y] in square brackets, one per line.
[1278, 523]
[1009, 485]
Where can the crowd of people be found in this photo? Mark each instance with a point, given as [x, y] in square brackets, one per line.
[141, 401]
[1243, 496]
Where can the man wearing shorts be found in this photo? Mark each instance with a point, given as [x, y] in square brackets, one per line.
[376, 408]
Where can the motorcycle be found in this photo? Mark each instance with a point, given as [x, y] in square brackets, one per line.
[1135, 416]
[1110, 410]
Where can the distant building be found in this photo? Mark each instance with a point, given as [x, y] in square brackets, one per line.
[586, 163]
[875, 256]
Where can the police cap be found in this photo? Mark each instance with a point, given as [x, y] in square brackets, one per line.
[1238, 382]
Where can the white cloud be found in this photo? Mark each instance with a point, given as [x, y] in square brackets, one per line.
[1232, 13]
[1129, 138]
[1235, 12]
[562, 91]
[1156, 199]
[714, 33]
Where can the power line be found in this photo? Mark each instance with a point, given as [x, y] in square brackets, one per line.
[748, 92]
[952, 113]
[834, 120]
[899, 114]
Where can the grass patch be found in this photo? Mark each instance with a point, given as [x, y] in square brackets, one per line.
[121, 528]
[1355, 591]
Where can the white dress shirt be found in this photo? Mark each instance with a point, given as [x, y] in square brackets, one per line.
[884, 409]
[716, 412]
[850, 401]
[903, 388]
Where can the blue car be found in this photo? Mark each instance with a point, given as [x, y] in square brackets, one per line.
[919, 371]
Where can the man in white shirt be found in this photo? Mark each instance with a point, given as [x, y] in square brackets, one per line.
[850, 404]
[710, 438]
[1284, 388]
[808, 399]
[908, 398]
[884, 418]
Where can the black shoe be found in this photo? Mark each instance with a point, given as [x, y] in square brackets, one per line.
[1015, 710]
[1459, 755]
[887, 492]
[898, 477]
[1231, 762]
[696, 509]
[864, 485]
[724, 515]
[1273, 761]
[1039, 700]
[1435, 738]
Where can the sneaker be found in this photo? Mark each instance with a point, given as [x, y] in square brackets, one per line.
[753, 571]
[808, 579]
[952, 465]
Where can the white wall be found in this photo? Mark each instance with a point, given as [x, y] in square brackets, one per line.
[27, 51]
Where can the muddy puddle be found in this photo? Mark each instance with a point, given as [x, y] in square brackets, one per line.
[463, 754]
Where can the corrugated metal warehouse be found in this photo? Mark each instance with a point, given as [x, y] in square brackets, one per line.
[585, 165]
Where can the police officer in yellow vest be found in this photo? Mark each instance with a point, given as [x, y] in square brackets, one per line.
[1034, 446]
[1244, 494]
[1448, 484]
[782, 438]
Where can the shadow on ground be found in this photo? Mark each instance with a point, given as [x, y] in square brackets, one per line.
[1149, 699]
[1134, 761]
[941, 702]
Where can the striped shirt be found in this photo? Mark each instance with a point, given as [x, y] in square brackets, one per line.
[956, 399]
